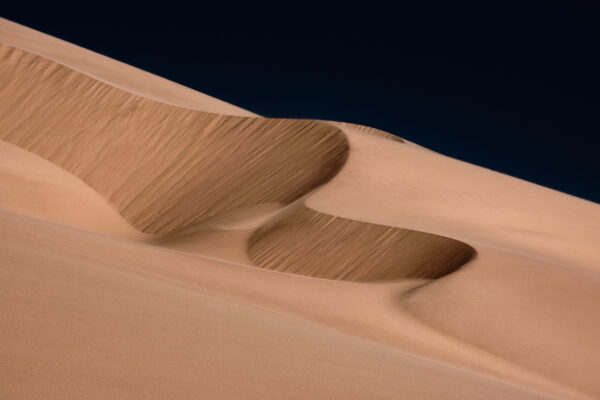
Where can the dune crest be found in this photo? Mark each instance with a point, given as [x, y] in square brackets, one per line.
[176, 167]
[112, 72]
[179, 167]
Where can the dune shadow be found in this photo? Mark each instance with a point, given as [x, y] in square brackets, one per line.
[311, 243]
[162, 167]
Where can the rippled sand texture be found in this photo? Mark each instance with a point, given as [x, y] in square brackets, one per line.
[161, 166]
[310, 243]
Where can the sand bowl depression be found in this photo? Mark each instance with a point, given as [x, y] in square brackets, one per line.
[178, 167]
[162, 167]
[307, 242]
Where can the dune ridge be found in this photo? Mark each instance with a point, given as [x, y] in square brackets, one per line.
[112, 72]
[179, 167]
[371, 130]
[176, 166]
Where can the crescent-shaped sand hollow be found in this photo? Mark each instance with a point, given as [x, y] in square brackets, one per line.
[162, 167]
[307, 242]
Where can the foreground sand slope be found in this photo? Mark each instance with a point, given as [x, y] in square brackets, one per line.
[532, 293]
[181, 310]
[80, 322]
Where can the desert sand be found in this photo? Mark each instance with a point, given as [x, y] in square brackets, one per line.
[156, 242]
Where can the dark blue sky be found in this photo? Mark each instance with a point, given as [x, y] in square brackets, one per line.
[512, 89]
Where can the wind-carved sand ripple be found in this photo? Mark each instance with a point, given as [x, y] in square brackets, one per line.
[164, 168]
[311, 243]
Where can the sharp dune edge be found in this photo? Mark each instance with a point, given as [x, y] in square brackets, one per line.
[176, 167]
[374, 131]
[144, 229]
[300, 243]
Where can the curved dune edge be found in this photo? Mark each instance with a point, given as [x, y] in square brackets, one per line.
[33, 186]
[113, 72]
[162, 167]
[372, 131]
[311, 243]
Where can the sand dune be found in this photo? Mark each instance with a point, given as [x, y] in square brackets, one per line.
[310, 243]
[157, 242]
[176, 166]
[117, 331]
[529, 311]
[373, 131]
[33, 186]
[111, 71]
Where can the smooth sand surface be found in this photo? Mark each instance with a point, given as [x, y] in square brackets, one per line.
[156, 242]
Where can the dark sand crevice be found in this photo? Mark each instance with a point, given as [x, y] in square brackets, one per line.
[311, 243]
[162, 167]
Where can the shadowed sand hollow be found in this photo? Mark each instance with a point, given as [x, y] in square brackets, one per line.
[308, 242]
[165, 167]
[162, 167]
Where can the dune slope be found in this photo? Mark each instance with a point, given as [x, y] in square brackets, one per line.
[34, 186]
[90, 326]
[162, 167]
[165, 168]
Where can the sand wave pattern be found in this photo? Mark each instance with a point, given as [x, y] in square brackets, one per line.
[164, 168]
[310, 243]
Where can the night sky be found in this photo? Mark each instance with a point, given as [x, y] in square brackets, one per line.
[516, 90]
